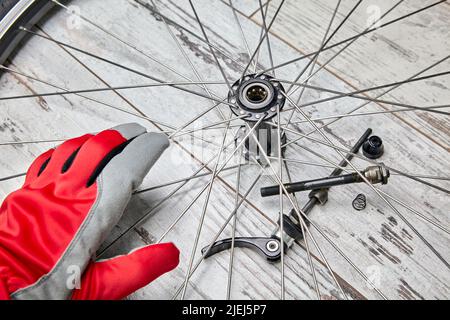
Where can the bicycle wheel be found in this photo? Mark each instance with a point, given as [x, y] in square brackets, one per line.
[253, 95]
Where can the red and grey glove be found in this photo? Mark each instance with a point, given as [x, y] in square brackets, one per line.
[72, 198]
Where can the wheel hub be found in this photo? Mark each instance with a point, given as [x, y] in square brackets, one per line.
[257, 96]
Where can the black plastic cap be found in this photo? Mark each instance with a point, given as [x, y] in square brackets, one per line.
[373, 148]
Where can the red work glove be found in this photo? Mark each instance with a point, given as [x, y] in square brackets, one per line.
[72, 197]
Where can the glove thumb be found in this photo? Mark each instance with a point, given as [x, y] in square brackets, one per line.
[119, 277]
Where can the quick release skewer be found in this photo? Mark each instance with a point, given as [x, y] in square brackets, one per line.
[375, 175]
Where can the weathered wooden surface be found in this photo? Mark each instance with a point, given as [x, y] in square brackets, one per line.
[375, 238]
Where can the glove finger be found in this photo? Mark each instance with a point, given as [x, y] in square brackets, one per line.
[136, 160]
[37, 166]
[119, 277]
[99, 150]
[61, 157]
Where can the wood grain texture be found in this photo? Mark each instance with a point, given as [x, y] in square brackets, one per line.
[376, 240]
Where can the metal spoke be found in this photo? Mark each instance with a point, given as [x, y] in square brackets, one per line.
[77, 92]
[394, 209]
[86, 97]
[143, 74]
[135, 48]
[381, 95]
[198, 37]
[222, 71]
[239, 25]
[150, 212]
[384, 86]
[141, 115]
[281, 208]
[266, 32]
[197, 117]
[212, 126]
[407, 175]
[189, 61]
[305, 238]
[258, 53]
[217, 170]
[302, 217]
[204, 210]
[269, 47]
[357, 35]
[356, 94]
[315, 61]
[190, 178]
[351, 42]
[233, 232]
[301, 220]
[216, 237]
[12, 177]
[364, 114]
[316, 56]
[16, 143]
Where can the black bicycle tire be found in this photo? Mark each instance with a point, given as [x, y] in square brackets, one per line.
[26, 13]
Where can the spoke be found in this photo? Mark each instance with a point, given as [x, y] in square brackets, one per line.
[142, 116]
[393, 208]
[353, 41]
[407, 175]
[152, 211]
[190, 178]
[186, 57]
[358, 35]
[15, 143]
[122, 66]
[216, 237]
[384, 86]
[315, 60]
[198, 37]
[302, 217]
[238, 23]
[302, 221]
[281, 208]
[356, 94]
[12, 177]
[305, 238]
[77, 92]
[343, 116]
[233, 233]
[197, 117]
[316, 56]
[258, 53]
[266, 33]
[204, 210]
[135, 48]
[222, 71]
[209, 126]
[216, 171]
[269, 47]
[381, 95]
